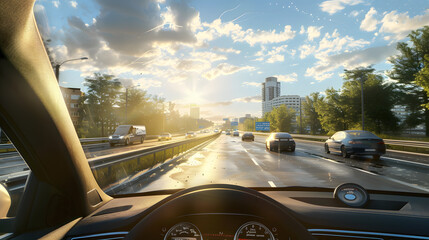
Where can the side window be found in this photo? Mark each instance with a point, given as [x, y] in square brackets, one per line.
[335, 136]
[13, 175]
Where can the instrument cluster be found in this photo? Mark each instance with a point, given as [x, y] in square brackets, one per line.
[203, 229]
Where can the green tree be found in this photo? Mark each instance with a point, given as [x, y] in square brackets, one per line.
[332, 112]
[310, 117]
[281, 119]
[249, 124]
[409, 70]
[379, 99]
[99, 103]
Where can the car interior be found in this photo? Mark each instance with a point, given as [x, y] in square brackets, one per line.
[62, 199]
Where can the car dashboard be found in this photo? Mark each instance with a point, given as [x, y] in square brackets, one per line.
[387, 215]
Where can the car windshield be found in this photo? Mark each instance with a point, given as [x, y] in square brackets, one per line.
[122, 130]
[300, 69]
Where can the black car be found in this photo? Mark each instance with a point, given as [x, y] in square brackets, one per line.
[280, 141]
[355, 142]
[248, 137]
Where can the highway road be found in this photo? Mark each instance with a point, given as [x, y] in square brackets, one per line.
[229, 160]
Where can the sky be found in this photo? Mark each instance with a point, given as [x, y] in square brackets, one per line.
[217, 53]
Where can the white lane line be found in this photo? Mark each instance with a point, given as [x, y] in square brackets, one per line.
[271, 184]
[404, 161]
[254, 161]
[375, 174]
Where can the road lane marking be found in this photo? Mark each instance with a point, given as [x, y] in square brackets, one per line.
[404, 161]
[271, 184]
[254, 161]
[375, 174]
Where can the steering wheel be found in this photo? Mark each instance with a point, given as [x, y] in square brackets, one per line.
[218, 198]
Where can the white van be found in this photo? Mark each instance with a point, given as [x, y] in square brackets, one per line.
[127, 134]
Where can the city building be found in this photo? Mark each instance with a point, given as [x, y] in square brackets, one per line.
[71, 98]
[194, 111]
[271, 97]
[242, 119]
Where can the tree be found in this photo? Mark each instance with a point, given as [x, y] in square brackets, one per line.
[310, 117]
[379, 99]
[99, 104]
[409, 70]
[249, 124]
[332, 112]
[281, 119]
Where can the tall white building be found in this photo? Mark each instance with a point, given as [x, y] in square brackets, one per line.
[271, 97]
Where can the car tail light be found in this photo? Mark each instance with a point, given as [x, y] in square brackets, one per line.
[381, 142]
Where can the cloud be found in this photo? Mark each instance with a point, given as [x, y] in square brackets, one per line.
[399, 25]
[217, 28]
[369, 23]
[148, 83]
[287, 77]
[350, 60]
[252, 99]
[56, 3]
[224, 69]
[313, 32]
[73, 4]
[354, 13]
[306, 50]
[227, 50]
[331, 44]
[333, 6]
[209, 56]
[271, 56]
[253, 84]
[302, 31]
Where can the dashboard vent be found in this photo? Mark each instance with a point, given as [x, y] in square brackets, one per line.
[102, 236]
[331, 234]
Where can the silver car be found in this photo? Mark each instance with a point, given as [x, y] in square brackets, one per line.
[355, 142]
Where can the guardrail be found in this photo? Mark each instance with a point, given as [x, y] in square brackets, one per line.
[113, 169]
[84, 141]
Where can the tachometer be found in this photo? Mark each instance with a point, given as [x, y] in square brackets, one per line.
[183, 231]
[253, 231]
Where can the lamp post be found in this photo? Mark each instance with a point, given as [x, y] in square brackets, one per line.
[57, 67]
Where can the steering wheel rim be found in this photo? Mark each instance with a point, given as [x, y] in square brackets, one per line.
[216, 198]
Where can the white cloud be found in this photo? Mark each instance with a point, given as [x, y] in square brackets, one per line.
[147, 83]
[271, 56]
[56, 3]
[399, 25]
[360, 58]
[217, 28]
[209, 56]
[73, 4]
[253, 84]
[354, 13]
[333, 6]
[227, 50]
[313, 32]
[302, 31]
[306, 50]
[287, 77]
[253, 99]
[224, 69]
[369, 23]
[330, 45]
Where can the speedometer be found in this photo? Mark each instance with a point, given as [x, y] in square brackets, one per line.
[253, 231]
[183, 231]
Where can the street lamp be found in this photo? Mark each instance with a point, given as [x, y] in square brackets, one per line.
[57, 67]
